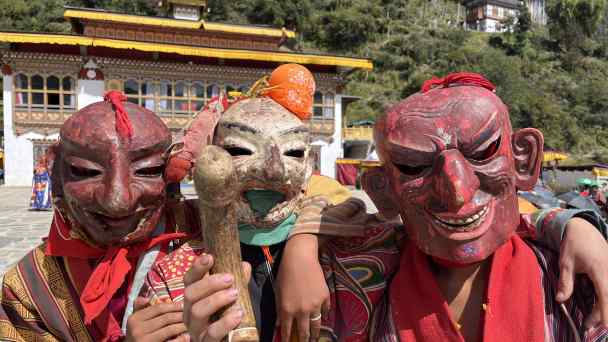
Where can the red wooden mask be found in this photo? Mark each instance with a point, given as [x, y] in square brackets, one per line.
[452, 166]
[110, 183]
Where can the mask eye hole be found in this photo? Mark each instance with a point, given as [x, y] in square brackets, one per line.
[411, 170]
[236, 151]
[154, 171]
[488, 153]
[297, 153]
[83, 172]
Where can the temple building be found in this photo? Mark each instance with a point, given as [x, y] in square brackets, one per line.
[492, 15]
[170, 65]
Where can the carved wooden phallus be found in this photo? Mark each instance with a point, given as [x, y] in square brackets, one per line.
[217, 188]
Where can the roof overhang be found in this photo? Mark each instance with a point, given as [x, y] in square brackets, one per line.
[100, 15]
[187, 50]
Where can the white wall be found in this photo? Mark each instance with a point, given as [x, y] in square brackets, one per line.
[89, 91]
[18, 150]
[333, 151]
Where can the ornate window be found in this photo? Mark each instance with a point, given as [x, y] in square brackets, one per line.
[169, 97]
[323, 107]
[45, 93]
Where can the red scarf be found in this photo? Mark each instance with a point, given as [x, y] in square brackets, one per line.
[514, 310]
[109, 274]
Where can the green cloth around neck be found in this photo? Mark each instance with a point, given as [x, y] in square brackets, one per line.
[261, 201]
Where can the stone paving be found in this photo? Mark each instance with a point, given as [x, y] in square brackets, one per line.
[20, 229]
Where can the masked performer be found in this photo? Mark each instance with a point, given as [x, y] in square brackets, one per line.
[269, 144]
[41, 186]
[108, 227]
[206, 294]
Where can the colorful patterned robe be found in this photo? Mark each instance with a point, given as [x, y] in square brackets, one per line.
[40, 297]
[358, 271]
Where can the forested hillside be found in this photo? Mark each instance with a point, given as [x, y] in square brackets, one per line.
[553, 78]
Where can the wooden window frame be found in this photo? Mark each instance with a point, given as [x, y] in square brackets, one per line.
[324, 104]
[44, 107]
[170, 110]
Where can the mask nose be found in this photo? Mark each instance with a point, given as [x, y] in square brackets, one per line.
[116, 198]
[456, 182]
[274, 169]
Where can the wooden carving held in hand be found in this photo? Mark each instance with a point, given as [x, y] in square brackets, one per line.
[217, 188]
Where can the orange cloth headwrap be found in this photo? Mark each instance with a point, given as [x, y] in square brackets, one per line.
[293, 87]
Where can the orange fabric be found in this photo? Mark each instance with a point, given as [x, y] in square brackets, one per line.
[293, 87]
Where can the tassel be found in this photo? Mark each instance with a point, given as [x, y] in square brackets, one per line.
[460, 78]
[123, 124]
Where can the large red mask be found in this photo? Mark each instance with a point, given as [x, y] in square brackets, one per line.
[451, 168]
[110, 183]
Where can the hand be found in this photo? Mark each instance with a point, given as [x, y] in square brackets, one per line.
[204, 296]
[159, 322]
[585, 251]
[302, 293]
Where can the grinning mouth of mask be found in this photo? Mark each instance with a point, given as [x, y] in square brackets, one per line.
[265, 208]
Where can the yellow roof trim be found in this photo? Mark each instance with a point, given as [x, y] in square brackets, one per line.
[132, 19]
[262, 31]
[265, 56]
[174, 23]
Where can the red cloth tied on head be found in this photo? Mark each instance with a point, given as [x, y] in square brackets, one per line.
[458, 78]
[123, 124]
[293, 87]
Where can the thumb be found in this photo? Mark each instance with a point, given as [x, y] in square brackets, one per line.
[140, 303]
[566, 282]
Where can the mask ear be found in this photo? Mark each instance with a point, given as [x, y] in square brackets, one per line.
[376, 185]
[527, 146]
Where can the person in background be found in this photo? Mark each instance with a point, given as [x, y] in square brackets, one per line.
[41, 186]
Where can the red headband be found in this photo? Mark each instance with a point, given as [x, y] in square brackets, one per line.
[123, 124]
[461, 78]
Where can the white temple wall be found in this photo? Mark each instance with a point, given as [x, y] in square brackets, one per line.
[332, 151]
[89, 91]
[18, 150]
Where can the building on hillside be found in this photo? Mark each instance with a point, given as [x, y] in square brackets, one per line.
[171, 66]
[492, 15]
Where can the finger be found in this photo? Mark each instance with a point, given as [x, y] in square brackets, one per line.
[286, 325]
[221, 328]
[601, 294]
[204, 309]
[140, 303]
[566, 281]
[303, 327]
[315, 328]
[199, 268]
[326, 306]
[204, 288]
[153, 311]
[594, 319]
[181, 338]
[170, 331]
[207, 286]
[163, 321]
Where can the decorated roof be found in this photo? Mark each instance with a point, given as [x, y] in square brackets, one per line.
[186, 50]
[107, 16]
